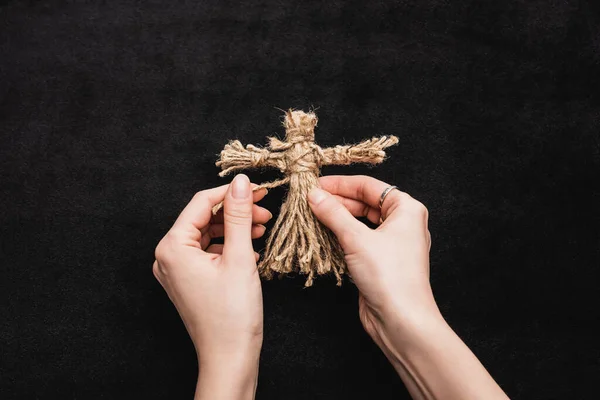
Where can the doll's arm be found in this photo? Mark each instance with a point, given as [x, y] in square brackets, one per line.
[370, 151]
[235, 157]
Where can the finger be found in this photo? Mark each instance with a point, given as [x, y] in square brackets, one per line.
[359, 209]
[336, 217]
[365, 189]
[260, 215]
[198, 212]
[215, 249]
[218, 249]
[259, 194]
[429, 239]
[218, 230]
[237, 221]
[195, 213]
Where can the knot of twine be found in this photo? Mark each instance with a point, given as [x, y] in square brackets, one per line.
[301, 162]
[258, 156]
[280, 145]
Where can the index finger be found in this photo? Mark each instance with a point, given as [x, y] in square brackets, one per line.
[198, 212]
[363, 188]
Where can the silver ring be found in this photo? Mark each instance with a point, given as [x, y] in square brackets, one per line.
[385, 193]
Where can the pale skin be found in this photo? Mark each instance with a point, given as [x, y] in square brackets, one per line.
[217, 292]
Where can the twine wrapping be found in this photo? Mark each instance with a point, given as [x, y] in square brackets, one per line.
[298, 241]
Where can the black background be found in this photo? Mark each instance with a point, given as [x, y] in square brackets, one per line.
[112, 115]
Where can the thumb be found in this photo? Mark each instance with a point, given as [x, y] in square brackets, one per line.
[237, 220]
[335, 216]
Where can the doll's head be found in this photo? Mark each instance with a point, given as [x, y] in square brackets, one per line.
[299, 126]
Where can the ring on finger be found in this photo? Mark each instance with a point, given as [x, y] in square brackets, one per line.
[385, 193]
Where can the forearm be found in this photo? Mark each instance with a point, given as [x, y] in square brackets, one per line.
[435, 364]
[232, 378]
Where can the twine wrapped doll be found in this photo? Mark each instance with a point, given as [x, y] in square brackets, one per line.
[298, 242]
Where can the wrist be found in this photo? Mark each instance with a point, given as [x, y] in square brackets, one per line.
[433, 361]
[412, 334]
[228, 375]
[409, 309]
[401, 328]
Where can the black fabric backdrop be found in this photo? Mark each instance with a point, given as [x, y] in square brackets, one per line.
[112, 115]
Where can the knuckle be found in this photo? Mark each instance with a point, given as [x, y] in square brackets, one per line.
[198, 196]
[334, 210]
[164, 249]
[156, 270]
[402, 197]
[349, 240]
[159, 252]
[365, 210]
[238, 216]
[418, 208]
[395, 199]
[334, 207]
[422, 210]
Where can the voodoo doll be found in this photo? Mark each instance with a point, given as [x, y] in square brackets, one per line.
[298, 241]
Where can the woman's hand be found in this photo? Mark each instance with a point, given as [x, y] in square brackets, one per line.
[390, 264]
[390, 267]
[216, 288]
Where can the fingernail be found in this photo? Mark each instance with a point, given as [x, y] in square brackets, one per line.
[316, 195]
[241, 187]
[270, 214]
